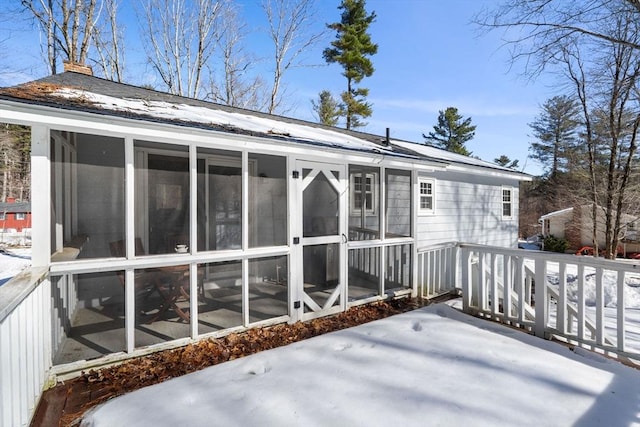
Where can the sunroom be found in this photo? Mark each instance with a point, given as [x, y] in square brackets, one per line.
[161, 234]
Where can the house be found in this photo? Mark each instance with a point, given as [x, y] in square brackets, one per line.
[575, 224]
[162, 219]
[15, 215]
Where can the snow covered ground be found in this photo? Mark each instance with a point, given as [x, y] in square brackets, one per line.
[12, 262]
[433, 366]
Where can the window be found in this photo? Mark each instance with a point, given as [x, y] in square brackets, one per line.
[2, 216]
[20, 216]
[427, 199]
[363, 191]
[507, 202]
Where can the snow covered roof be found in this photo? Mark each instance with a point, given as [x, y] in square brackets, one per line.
[78, 91]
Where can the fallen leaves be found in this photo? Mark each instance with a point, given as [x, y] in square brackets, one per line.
[100, 385]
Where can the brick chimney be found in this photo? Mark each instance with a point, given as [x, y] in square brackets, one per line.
[77, 68]
[11, 199]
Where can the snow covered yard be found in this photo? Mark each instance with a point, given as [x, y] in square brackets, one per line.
[12, 262]
[433, 366]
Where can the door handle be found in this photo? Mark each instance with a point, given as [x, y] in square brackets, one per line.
[344, 238]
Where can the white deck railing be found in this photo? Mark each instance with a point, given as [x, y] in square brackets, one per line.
[437, 269]
[582, 300]
[25, 345]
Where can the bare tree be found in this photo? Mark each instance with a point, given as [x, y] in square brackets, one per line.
[607, 87]
[595, 44]
[68, 25]
[289, 24]
[233, 85]
[108, 42]
[15, 144]
[180, 40]
[535, 30]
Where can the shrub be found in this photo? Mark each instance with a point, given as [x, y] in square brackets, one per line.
[555, 244]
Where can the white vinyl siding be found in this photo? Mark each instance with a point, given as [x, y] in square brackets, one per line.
[469, 211]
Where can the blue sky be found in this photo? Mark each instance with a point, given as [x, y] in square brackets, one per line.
[430, 57]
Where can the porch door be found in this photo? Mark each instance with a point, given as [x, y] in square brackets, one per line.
[321, 248]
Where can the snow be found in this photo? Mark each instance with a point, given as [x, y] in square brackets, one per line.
[429, 151]
[433, 366]
[210, 116]
[610, 288]
[12, 262]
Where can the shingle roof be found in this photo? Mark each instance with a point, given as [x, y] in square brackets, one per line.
[17, 207]
[75, 91]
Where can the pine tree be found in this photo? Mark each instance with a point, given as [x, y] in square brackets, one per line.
[506, 162]
[452, 132]
[556, 130]
[327, 109]
[350, 49]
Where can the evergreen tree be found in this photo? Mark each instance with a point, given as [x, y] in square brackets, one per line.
[555, 130]
[506, 162]
[327, 109]
[452, 132]
[350, 49]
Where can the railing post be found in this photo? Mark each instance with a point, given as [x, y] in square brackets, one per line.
[599, 306]
[465, 257]
[453, 266]
[561, 316]
[621, 327]
[542, 305]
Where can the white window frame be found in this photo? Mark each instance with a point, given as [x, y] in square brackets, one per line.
[432, 195]
[374, 193]
[503, 202]
[21, 216]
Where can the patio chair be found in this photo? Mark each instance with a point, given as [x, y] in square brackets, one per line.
[146, 281]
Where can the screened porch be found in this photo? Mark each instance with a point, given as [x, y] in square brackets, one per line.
[155, 243]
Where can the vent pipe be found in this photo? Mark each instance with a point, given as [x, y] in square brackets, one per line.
[387, 140]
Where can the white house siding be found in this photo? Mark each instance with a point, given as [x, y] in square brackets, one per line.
[468, 208]
[558, 224]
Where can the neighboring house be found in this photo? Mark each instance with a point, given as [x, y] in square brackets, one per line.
[162, 219]
[575, 224]
[15, 215]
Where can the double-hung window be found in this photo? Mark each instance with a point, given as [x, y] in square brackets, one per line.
[363, 191]
[427, 202]
[507, 202]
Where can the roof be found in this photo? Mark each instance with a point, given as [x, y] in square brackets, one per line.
[556, 213]
[76, 91]
[17, 207]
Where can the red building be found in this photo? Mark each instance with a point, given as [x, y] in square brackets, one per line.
[15, 215]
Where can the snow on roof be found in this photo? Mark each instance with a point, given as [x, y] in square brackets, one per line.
[429, 151]
[88, 93]
[210, 116]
